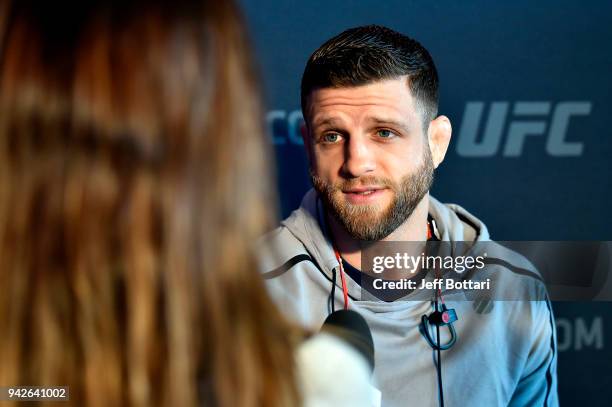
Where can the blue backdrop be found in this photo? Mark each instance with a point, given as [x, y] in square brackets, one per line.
[526, 87]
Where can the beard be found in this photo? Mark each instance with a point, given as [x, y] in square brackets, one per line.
[373, 222]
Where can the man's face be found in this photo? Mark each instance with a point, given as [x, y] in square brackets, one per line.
[369, 157]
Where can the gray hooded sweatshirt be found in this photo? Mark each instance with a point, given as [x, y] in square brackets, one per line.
[505, 354]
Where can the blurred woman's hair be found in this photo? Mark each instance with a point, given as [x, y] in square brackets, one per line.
[134, 179]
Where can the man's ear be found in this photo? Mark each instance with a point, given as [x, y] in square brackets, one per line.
[438, 137]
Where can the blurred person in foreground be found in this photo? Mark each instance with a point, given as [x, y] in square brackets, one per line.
[133, 179]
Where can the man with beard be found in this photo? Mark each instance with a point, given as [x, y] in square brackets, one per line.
[373, 139]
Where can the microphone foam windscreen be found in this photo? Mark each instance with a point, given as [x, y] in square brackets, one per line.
[352, 328]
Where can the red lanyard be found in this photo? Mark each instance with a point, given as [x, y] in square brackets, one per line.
[344, 287]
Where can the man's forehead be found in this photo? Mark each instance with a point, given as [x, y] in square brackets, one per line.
[386, 99]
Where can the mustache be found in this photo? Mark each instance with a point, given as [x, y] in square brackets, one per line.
[365, 181]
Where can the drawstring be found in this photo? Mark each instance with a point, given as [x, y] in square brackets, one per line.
[333, 291]
[344, 287]
[325, 227]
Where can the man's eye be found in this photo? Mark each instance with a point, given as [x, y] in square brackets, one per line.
[385, 133]
[331, 137]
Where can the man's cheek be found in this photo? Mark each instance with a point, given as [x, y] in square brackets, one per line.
[320, 169]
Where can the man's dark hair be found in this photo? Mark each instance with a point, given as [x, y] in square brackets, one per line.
[363, 55]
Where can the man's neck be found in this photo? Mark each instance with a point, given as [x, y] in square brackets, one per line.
[414, 229]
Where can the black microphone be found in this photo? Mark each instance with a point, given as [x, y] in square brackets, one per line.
[353, 329]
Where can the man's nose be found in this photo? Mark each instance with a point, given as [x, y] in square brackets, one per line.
[359, 158]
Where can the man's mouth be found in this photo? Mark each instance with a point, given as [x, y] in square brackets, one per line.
[361, 191]
[363, 195]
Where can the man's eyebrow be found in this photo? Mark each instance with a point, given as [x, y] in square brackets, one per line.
[399, 124]
[391, 122]
[327, 121]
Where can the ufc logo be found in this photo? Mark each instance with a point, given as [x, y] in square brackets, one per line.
[528, 119]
